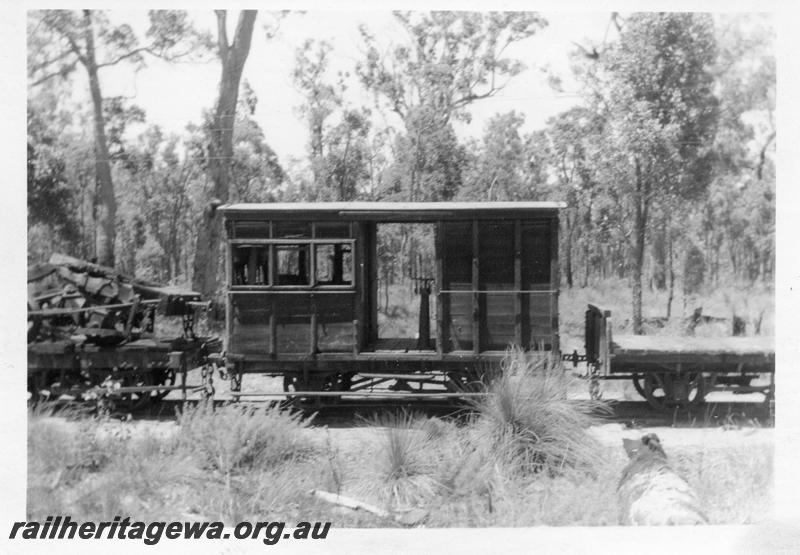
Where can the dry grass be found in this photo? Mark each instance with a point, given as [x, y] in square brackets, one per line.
[735, 484]
[524, 459]
[528, 424]
[227, 464]
[404, 463]
[750, 302]
[234, 438]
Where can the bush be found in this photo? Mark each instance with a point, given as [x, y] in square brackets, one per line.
[232, 438]
[528, 423]
[405, 464]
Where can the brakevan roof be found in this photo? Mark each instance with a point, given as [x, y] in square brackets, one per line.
[389, 210]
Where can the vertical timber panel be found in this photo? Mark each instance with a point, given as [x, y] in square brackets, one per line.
[555, 282]
[313, 340]
[358, 275]
[370, 286]
[476, 313]
[518, 332]
[273, 331]
[271, 254]
[440, 320]
[370, 261]
[229, 282]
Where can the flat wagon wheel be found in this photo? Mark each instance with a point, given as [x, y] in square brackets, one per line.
[665, 390]
[162, 376]
[39, 382]
[638, 384]
[131, 402]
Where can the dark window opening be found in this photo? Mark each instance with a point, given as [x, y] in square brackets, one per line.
[251, 265]
[292, 262]
[334, 265]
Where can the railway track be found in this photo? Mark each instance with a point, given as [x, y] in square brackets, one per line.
[633, 414]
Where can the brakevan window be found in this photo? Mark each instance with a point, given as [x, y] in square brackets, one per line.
[293, 264]
[291, 254]
[250, 264]
[334, 264]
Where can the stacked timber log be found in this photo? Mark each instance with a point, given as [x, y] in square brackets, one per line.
[75, 301]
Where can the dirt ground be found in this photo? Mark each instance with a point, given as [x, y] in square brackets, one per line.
[349, 437]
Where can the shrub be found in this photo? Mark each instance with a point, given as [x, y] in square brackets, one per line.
[231, 438]
[528, 424]
[404, 466]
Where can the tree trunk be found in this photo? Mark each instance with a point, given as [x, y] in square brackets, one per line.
[343, 177]
[660, 240]
[671, 273]
[639, 227]
[106, 202]
[568, 250]
[316, 153]
[220, 149]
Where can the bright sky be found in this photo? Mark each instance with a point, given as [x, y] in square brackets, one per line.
[175, 94]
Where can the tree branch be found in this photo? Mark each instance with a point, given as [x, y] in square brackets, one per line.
[76, 49]
[61, 72]
[46, 63]
[762, 157]
[130, 54]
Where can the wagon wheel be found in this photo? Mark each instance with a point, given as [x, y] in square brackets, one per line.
[463, 382]
[337, 382]
[162, 376]
[316, 382]
[38, 382]
[665, 390]
[131, 402]
[294, 383]
[637, 383]
[690, 389]
[655, 390]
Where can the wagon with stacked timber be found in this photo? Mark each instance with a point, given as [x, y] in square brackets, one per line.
[92, 335]
[303, 294]
[679, 371]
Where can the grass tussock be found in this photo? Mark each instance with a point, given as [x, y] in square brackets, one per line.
[74, 468]
[529, 424]
[525, 431]
[231, 464]
[404, 461]
[233, 438]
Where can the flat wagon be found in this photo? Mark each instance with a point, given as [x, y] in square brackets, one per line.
[670, 371]
[92, 335]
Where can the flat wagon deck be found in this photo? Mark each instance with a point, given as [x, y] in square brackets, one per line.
[669, 370]
[635, 350]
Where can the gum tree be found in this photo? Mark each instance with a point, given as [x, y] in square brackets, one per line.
[60, 41]
[232, 55]
[654, 90]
